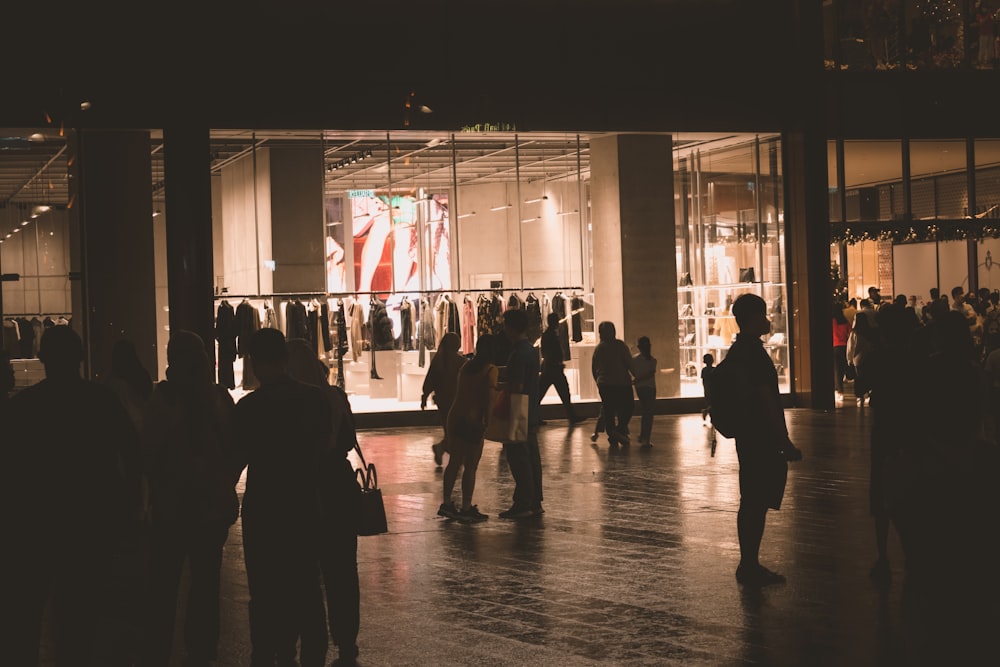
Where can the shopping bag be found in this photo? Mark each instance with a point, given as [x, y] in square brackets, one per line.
[498, 418]
[518, 429]
[370, 518]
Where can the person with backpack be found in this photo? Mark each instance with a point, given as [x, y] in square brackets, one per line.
[762, 443]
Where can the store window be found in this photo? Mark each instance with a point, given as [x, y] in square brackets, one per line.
[35, 244]
[730, 241]
[419, 233]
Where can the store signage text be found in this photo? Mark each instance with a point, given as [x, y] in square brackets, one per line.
[359, 194]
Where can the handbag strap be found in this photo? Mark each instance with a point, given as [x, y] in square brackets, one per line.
[366, 473]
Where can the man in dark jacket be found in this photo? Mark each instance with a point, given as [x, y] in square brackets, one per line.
[281, 431]
[762, 445]
[70, 493]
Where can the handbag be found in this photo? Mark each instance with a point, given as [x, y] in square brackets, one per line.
[747, 275]
[508, 418]
[371, 508]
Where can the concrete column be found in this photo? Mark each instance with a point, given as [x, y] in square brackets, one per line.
[634, 238]
[190, 272]
[113, 202]
[297, 234]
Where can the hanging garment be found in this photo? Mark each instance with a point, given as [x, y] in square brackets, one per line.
[406, 323]
[546, 307]
[496, 314]
[381, 326]
[426, 336]
[270, 317]
[441, 318]
[559, 308]
[247, 321]
[296, 320]
[454, 319]
[468, 326]
[484, 318]
[576, 305]
[225, 335]
[534, 310]
[514, 301]
[356, 314]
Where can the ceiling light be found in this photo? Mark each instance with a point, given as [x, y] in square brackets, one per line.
[567, 212]
[501, 207]
[156, 212]
[531, 219]
[37, 136]
[8, 235]
[24, 223]
[425, 109]
[536, 199]
[38, 210]
[84, 105]
[17, 229]
[466, 215]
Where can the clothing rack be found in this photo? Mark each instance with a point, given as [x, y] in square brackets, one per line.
[340, 295]
[7, 316]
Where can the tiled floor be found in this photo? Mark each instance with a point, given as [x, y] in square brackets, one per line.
[632, 563]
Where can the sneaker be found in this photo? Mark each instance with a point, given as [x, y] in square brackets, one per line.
[623, 438]
[593, 437]
[516, 512]
[757, 576]
[472, 515]
[448, 510]
[438, 450]
[838, 397]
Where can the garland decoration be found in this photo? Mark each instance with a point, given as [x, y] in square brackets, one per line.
[916, 231]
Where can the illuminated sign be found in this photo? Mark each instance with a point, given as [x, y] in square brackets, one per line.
[359, 194]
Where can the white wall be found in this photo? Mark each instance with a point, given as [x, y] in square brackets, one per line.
[244, 246]
[914, 269]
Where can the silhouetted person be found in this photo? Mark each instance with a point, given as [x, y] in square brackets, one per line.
[762, 446]
[523, 458]
[611, 367]
[70, 494]
[440, 380]
[188, 453]
[129, 379]
[944, 504]
[706, 384]
[281, 430]
[644, 368]
[339, 494]
[477, 383]
[553, 368]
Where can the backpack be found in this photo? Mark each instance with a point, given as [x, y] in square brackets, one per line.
[730, 390]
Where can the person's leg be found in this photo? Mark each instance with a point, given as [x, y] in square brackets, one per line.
[451, 475]
[750, 530]
[471, 466]
[624, 407]
[840, 368]
[201, 622]
[520, 469]
[608, 412]
[599, 424]
[262, 584]
[167, 551]
[562, 388]
[339, 561]
[545, 380]
[78, 602]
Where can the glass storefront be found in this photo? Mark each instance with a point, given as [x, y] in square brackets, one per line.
[730, 241]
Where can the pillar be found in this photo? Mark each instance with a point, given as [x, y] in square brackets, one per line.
[634, 239]
[190, 273]
[113, 204]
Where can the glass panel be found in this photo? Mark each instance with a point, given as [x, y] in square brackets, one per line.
[833, 188]
[939, 188]
[987, 161]
[729, 242]
[867, 166]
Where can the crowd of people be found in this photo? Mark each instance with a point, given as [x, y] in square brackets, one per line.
[931, 375]
[102, 515]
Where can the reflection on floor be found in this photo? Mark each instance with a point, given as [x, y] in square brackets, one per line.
[632, 562]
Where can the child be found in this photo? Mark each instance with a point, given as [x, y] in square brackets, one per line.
[709, 362]
[644, 373]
